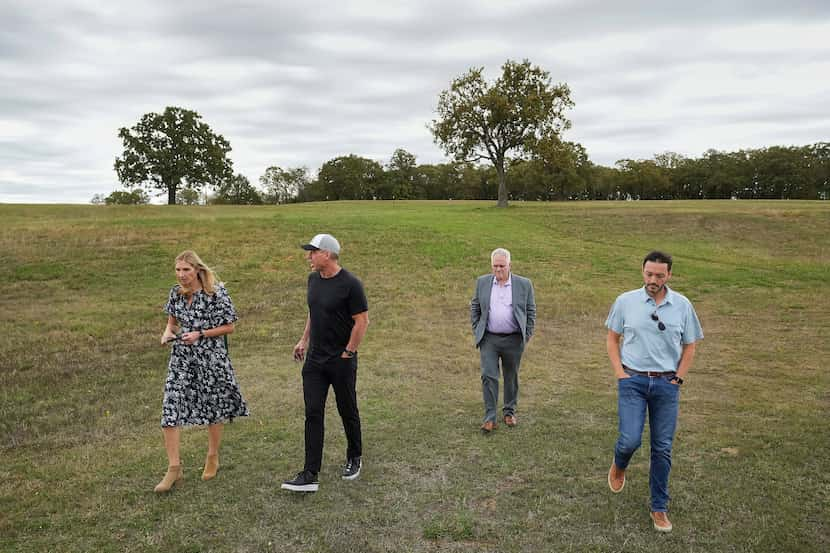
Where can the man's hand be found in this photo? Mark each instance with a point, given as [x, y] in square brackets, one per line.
[299, 351]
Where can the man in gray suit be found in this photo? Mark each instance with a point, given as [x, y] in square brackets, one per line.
[503, 314]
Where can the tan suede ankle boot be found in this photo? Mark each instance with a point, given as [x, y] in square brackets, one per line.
[211, 466]
[174, 476]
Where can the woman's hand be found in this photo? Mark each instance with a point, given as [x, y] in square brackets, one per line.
[190, 338]
[167, 336]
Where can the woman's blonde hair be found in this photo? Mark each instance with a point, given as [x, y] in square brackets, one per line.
[205, 274]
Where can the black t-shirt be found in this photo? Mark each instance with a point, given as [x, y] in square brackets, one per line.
[331, 304]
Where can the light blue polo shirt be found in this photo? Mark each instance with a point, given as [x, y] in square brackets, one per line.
[644, 346]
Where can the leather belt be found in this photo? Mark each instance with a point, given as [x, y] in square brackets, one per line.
[650, 373]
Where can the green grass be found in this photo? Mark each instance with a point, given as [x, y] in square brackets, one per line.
[82, 375]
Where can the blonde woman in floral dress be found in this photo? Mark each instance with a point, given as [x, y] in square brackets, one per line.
[201, 388]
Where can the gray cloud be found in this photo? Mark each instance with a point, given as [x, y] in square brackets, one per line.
[297, 83]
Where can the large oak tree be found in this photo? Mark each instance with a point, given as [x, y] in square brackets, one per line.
[480, 121]
[171, 150]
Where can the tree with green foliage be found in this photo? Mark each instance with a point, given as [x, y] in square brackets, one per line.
[780, 172]
[128, 197]
[171, 150]
[440, 182]
[283, 185]
[818, 156]
[727, 175]
[478, 182]
[188, 196]
[402, 175]
[564, 167]
[349, 178]
[480, 121]
[644, 179]
[238, 190]
[602, 184]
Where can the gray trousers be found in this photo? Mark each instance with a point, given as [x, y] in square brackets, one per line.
[508, 349]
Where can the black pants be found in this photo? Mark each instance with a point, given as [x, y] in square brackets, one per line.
[341, 374]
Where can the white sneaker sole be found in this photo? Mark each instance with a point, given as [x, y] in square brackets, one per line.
[353, 476]
[300, 488]
[661, 528]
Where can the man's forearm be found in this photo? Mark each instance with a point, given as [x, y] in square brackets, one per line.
[686, 359]
[306, 330]
[361, 323]
[612, 344]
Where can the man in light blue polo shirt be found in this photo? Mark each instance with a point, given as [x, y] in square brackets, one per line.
[652, 334]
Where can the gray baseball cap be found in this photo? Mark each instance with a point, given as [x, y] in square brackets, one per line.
[323, 242]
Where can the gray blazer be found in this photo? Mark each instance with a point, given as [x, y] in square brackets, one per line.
[524, 306]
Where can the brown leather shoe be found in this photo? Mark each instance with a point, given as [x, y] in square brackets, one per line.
[661, 521]
[488, 427]
[616, 478]
[511, 420]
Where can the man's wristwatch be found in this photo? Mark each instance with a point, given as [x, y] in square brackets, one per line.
[678, 380]
[349, 352]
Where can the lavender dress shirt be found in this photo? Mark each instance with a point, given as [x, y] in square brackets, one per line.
[500, 319]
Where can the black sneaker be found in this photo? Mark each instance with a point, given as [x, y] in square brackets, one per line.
[304, 482]
[351, 469]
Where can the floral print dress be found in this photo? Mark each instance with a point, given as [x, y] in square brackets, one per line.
[201, 387]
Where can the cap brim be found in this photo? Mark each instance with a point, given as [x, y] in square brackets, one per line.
[309, 247]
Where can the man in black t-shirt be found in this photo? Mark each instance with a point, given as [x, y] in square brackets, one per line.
[338, 315]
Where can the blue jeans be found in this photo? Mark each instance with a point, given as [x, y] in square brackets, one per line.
[661, 398]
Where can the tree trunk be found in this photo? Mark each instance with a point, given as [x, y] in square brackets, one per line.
[502, 185]
[171, 194]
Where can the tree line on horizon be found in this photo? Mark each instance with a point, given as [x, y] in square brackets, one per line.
[514, 123]
[796, 172]
[777, 172]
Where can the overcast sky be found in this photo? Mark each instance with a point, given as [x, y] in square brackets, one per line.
[293, 83]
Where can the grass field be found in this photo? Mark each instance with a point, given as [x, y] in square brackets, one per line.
[82, 376]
